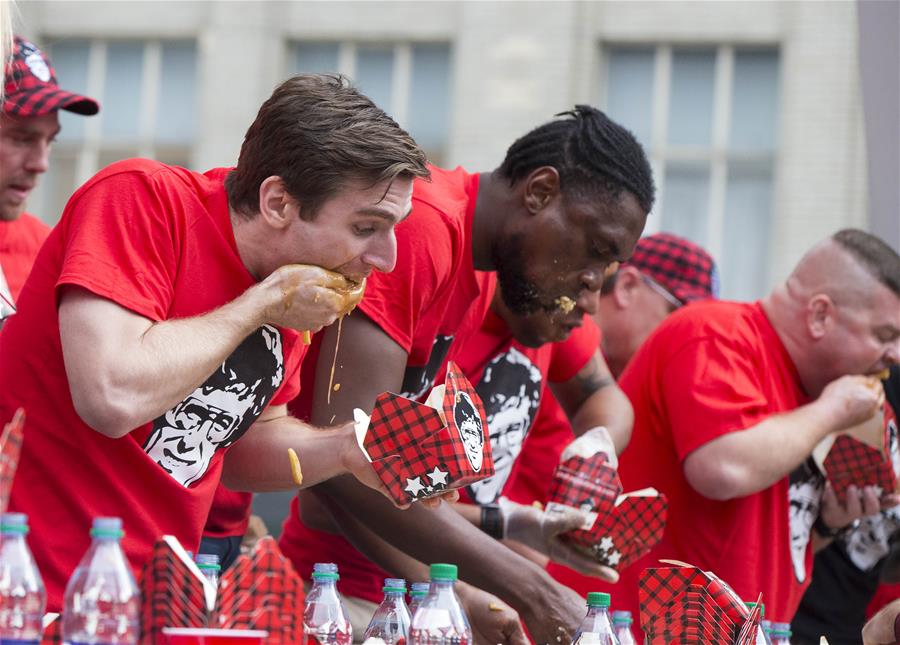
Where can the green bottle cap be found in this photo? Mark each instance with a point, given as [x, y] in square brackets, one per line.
[597, 599]
[443, 571]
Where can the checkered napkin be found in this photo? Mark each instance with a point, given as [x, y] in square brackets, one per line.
[420, 450]
[628, 532]
[851, 461]
[260, 591]
[683, 604]
[10, 447]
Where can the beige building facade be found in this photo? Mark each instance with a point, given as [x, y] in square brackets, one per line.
[751, 111]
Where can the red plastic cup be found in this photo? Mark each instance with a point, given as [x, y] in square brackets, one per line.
[204, 636]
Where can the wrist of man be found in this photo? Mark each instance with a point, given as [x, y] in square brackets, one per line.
[830, 532]
[492, 521]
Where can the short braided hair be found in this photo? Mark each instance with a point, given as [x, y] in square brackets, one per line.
[590, 151]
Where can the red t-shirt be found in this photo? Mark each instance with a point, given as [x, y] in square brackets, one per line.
[433, 299]
[20, 241]
[709, 369]
[511, 379]
[156, 240]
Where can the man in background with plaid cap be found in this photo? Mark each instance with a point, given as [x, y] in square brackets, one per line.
[29, 124]
[731, 398]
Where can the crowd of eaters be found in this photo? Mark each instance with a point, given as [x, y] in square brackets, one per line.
[158, 349]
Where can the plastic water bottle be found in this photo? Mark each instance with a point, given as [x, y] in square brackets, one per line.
[596, 628]
[325, 620]
[208, 563]
[22, 595]
[440, 619]
[781, 634]
[391, 620]
[418, 590]
[621, 621]
[102, 604]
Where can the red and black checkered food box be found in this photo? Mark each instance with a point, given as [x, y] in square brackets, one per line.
[420, 451]
[864, 457]
[10, 448]
[619, 529]
[683, 604]
[260, 591]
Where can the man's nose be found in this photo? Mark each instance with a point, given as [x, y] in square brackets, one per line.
[382, 253]
[38, 160]
[589, 302]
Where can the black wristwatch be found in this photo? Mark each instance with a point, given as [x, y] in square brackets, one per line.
[492, 520]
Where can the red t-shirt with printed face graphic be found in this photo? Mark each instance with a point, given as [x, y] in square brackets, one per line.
[158, 241]
[429, 304]
[511, 379]
[710, 369]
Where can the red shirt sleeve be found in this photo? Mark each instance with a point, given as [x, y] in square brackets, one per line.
[121, 242]
[398, 300]
[570, 355]
[709, 388]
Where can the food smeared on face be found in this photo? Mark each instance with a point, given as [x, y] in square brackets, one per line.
[564, 304]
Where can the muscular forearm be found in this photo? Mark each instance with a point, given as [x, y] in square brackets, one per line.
[744, 462]
[442, 535]
[156, 364]
[259, 460]
[880, 630]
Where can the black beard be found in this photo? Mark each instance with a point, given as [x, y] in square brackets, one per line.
[520, 295]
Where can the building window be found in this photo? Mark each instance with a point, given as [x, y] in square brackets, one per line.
[147, 92]
[410, 81]
[708, 118]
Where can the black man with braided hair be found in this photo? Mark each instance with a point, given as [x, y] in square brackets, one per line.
[570, 199]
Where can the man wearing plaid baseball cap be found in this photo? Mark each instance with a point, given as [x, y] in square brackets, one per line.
[28, 126]
[664, 273]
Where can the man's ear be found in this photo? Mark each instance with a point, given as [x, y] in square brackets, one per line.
[628, 281]
[541, 186]
[276, 206]
[820, 311]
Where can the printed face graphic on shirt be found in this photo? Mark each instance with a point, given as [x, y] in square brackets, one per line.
[869, 542]
[894, 444]
[417, 381]
[511, 391]
[217, 413]
[804, 497]
[471, 431]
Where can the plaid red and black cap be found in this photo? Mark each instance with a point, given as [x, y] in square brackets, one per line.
[683, 268]
[31, 89]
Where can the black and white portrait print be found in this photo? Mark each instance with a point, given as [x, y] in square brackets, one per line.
[804, 497]
[217, 413]
[417, 381]
[511, 392]
[471, 431]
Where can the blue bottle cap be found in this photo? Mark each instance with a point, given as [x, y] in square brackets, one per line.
[325, 571]
[107, 527]
[14, 524]
[208, 562]
[419, 589]
[394, 585]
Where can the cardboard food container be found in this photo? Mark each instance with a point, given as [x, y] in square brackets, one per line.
[686, 605]
[866, 455]
[619, 529]
[10, 448]
[260, 592]
[420, 450]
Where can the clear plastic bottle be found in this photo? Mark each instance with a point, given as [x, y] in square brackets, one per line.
[781, 634]
[621, 621]
[208, 563]
[22, 595]
[596, 628]
[440, 619]
[391, 620]
[325, 620]
[418, 590]
[102, 604]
